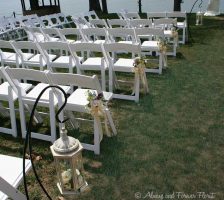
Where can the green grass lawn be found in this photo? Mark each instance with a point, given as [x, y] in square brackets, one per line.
[171, 141]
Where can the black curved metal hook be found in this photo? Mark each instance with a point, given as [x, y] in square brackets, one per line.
[28, 138]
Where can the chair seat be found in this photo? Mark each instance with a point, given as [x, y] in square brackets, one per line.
[7, 54]
[168, 33]
[77, 101]
[99, 41]
[62, 60]
[44, 100]
[35, 60]
[124, 65]
[93, 63]
[4, 90]
[27, 56]
[126, 42]
[181, 25]
[10, 58]
[150, 45]
[11, 170]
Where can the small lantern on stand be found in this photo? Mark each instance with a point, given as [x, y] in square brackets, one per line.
[67, 153]
[199, 18]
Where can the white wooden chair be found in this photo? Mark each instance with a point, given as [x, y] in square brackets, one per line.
[181, 24]
[98, 23]
[130, 15]
[8, 55]
[155, 15]
[71, 35]
[32, 21]
[78, 102]
[26, 100]
[46, 21]
[11, 175]
[10, 95]
[80, 21]
[95, 35]
[120, 64]
[38, 59]
[168, 24]
[140, 23]
[62, 20]
[90, 15]
[118, 23]
[91, 61]
[150, 44]
[62, 51]
[35, 34]
[52, 34]
[122, 35]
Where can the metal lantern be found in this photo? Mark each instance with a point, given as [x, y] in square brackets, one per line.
[67, 153]
[199, 18]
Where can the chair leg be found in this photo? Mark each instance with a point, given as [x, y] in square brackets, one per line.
[137, 87]
[111, 80]
[12, 115]
[52, 118]
[97, 133]
[22, 118]
[103, 81]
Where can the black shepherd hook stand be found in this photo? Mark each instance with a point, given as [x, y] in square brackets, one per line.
[28, 143]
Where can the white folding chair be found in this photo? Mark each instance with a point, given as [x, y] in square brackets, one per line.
[38, 58]
[32, 21]
[91, 61]
[80, 22]
[35, 34]
[62, 20]
[118, 23]
[123, 64]
[52, 34]
[11, 175]
[27, 100]
[71, 35]
[78, 101]
[155, 15]
[148, 38]
[95, 35]
[46, 21]
[140, 23]
[130, 15]
[122, 35]
[8, 55]
[168, 24]
[181, 23]
[98, 23]
[9, 94]
[62, 51]
[90, 15]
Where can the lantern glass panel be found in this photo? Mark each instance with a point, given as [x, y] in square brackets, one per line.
[66, 174]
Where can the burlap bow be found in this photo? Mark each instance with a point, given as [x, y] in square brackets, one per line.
[139, 68]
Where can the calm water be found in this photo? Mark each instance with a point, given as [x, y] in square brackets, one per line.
[77, 6]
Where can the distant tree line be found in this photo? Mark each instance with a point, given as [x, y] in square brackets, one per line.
[95, 5]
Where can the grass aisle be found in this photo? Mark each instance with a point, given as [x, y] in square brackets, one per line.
[172, 141]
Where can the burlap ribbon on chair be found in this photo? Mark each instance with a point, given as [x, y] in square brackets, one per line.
[98, 110]
[139, 68]
[163, 50]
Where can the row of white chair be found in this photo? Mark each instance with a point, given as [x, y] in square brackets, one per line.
[181, 17]
[26, 93]
[96, 57]
[102, 35]
[12, 27]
